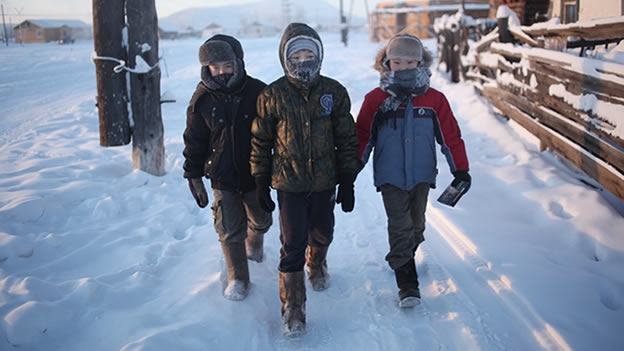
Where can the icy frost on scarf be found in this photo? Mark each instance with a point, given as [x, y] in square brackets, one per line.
[304, 71]
[403, 85]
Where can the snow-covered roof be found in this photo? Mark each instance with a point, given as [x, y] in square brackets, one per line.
[54, 23]
[434, 8]
[212, 26]
[168, 26]
[266, 24]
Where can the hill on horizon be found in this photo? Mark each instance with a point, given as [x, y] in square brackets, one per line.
[232, 18]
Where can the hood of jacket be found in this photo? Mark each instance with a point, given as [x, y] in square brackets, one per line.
[294, 30]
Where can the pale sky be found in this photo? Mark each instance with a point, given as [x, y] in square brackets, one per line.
[81, 9]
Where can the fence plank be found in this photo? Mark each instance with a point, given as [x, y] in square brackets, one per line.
[594, 167]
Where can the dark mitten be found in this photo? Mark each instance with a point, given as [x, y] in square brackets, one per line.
[462, 176]
[263, 193]
[346, 193]
[199, 191]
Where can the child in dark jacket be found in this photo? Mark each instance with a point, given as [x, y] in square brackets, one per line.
[402, 120]
[217, 143]
[304, 144]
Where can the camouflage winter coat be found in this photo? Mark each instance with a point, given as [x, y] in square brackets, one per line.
[304, 137]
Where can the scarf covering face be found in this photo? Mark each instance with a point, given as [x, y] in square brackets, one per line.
[303, 71]
[223, 79]
[403, 85]
[228, 82]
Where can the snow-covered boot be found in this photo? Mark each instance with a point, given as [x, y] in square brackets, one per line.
[316, 266]
[407, 281]
[293, 297]
[237, 271]
[254, 244]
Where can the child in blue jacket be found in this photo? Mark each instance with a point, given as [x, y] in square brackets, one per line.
[402, 120]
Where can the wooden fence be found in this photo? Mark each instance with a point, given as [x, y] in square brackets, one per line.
[572, 100]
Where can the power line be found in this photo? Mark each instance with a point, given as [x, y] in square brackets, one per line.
[68, 14]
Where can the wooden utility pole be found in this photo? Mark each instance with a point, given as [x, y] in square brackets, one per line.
[148, 151]
[112, 99]
[6, 36]
[285, 12]
[344, 27]
[115, 61]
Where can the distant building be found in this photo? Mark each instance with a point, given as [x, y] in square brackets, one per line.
[211, 30]
[417, 16]
[43, 31]
[258, 29]
[584, 10]
[528, 11]
[167, 30]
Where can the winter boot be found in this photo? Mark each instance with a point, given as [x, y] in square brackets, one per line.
[407, 281]
[316, 266]
[254, 244]
[237, 271]
[293, 296]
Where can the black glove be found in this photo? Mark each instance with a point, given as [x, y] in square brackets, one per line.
[462, 176]
[346, 194]
[263, 193]
[199, 191]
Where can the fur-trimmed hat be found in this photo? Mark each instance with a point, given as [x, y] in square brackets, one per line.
[234, 43]
[214, 51]
[301, 43]
[222, 48]
[405, 46]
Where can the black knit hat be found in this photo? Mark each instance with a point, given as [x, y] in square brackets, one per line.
[214, 51]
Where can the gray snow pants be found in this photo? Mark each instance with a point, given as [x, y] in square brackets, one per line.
[405, 210]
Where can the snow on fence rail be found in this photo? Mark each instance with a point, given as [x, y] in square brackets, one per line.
[573, 103]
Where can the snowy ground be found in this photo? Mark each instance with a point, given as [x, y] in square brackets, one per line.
[95, 256]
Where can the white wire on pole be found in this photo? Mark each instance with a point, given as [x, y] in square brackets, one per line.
[141, 66]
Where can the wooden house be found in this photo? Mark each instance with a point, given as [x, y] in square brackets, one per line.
[584, 10]
[43, 31]
[568, 11]
[528, 11]
[417, 16]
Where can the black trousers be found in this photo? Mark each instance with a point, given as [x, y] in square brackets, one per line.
[305, 219]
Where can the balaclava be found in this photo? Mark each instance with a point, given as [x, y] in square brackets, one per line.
[303, 71]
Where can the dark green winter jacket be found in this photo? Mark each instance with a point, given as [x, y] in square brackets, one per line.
[304, 137]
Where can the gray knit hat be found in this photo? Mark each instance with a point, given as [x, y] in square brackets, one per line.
[214, 51]
[404, 46]
[301, 43]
